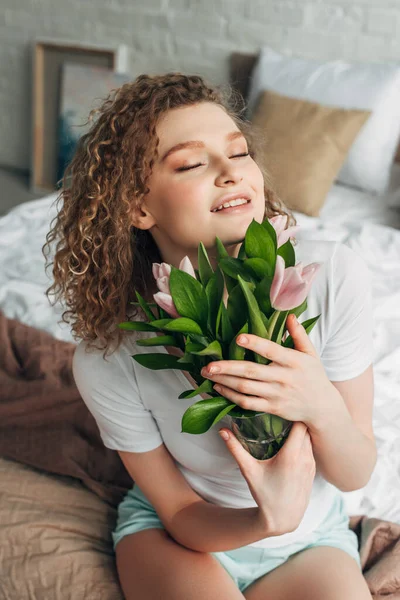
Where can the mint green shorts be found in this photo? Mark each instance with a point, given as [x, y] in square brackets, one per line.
[247, 563]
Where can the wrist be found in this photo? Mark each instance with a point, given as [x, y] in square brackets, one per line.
[265, 525]
[334, 412]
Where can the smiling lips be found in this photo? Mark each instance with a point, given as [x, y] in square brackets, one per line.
[227, 200]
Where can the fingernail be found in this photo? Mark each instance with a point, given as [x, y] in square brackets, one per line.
[223, 434]
[242, 340]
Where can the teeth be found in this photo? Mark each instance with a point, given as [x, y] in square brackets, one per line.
[236, 202]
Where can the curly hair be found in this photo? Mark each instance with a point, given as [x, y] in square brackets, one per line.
[100, 258]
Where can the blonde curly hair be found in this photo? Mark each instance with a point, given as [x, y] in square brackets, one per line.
[100, 258]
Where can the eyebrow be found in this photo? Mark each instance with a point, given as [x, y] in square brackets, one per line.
[198, 144]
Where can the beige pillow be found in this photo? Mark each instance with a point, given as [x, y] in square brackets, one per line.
[305, 145]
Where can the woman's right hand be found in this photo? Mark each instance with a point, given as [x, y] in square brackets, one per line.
[281, 485]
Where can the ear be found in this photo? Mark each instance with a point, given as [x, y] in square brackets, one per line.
[142, 218]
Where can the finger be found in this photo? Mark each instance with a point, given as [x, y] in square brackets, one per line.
[300, 337]
[296, 439]
[256, 403]
[250, 387]
[240, 454]
[245, 369]
[269, 349]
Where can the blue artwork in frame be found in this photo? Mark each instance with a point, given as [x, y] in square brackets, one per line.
[83, 87]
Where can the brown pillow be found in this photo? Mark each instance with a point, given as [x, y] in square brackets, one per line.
[304, 147]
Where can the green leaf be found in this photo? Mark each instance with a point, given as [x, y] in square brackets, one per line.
[222, 414]
[276, 334]
[300, 309]
[227, 331]
[238, 352]
[271, 231]
[137, 326]
[221, 250]
[237, 307]
[242, 412]
[159, 340]
[235, 267]
[256, 322]
[205, 388]
[157, 361]
[160, 323]
[199, 417]
[214, 292]
[308, 326]
[183, 325]
[205, 269]
[189, 296]
[262, 294]
[287, 253]
[242, 253]
[145, 307]
[193, 347]
[213, 349]
[222, 253]
[187, 358]
[258, 267]
[259, 243]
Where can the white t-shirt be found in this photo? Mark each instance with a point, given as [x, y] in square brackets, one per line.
[137, 409]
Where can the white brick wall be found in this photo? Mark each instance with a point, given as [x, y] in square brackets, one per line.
[187, 35]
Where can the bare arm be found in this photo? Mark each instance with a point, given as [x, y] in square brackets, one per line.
[189, 519]
[344, 446]
[280, 486]
[206, 527]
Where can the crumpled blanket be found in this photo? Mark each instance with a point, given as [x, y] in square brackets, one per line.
[45, 424]
[379, 547]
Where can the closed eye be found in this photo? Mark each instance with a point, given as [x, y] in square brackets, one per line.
[201, 164]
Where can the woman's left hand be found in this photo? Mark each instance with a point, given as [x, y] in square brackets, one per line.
[294, 386]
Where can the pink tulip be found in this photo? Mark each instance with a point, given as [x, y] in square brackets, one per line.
[161, 273]
[290, 286]
[279, 223]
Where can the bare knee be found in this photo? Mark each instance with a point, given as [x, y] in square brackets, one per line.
[321, 572]
[151, 565]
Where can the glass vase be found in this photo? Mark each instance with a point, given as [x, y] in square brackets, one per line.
[261, 434]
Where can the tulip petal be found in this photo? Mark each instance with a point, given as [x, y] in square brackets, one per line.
[288, 233]
[156, 270]
[291, 297]
[279, 223]
[186, 266]
[278, 278]
[166, 303]
[163, 284]
[165, 270]
[311, 270]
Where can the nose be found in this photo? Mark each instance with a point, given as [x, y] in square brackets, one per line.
[228, 174]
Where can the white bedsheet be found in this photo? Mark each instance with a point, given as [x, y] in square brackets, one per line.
[368, 224]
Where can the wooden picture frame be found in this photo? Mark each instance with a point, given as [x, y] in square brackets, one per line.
[48, 56]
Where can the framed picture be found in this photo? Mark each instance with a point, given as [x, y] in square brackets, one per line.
[48, 58]
[82, 88]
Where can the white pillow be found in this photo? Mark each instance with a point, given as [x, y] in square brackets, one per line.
[375, 87]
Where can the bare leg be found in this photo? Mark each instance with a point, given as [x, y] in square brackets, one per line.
[152, 565]
[312, 574]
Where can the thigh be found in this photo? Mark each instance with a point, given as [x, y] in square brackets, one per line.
[152, 565]
[315, 573]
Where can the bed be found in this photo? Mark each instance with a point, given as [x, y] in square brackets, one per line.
[55, 531]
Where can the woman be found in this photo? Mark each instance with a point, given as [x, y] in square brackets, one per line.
[205, 519]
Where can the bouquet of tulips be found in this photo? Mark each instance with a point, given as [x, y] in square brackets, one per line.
[264, 286]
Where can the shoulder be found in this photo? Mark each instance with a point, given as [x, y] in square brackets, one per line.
[339, 261]
[91, 366]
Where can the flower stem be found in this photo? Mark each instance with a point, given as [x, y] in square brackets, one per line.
[272, 323]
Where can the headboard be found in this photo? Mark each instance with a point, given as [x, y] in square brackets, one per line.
[240, 69]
